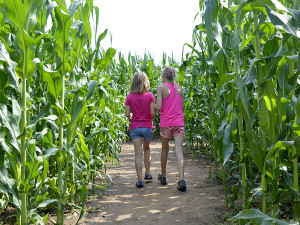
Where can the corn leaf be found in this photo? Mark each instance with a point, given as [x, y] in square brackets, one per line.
[262, 218]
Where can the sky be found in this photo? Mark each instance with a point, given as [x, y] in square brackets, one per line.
[155, 26]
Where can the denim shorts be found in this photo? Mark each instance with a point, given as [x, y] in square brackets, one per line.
[139, 132]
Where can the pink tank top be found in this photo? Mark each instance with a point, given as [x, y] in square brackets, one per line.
[171, 109]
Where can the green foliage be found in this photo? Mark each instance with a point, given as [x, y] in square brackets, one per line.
[60, 110]
[245, 55]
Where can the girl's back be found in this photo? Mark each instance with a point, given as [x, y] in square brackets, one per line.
[171, 108]
[140, 106]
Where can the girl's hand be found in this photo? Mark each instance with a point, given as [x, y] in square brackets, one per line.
[152, 109]
[127, 111]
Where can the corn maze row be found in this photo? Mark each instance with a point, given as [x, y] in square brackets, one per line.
[62, 105]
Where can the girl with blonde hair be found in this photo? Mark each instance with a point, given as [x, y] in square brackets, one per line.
[140, 108]
[170, 103]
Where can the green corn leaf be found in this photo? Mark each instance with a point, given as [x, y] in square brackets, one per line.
[24, 44]
[296, 14]
[209, 15]
[41, 18]
[9, 121]
[33, 212]
[50, 7]
[223, 79]
[283, 81]
[77, 115]
[45, 203]
[242, 101]
[62, 45]
[219, 59]
[277, 145]
[257, 154]
[85, 15]
[270, 100]
[296, 124]
[47, 138]
[5, 146]
[15, 11]
[104, 62]
[4, 190]
[42, 113]
[74, 7]
[288, 178]
[13, 78]
[96, 9]
[252, 214]
[4, 79]
[4, 55]
[15, 165]
[49, 152]
[31, 8]
[10, 185]
[83, 193]
[258, 5]
[283, 22]
[84, 148]
[274, 3]
[227, 144]
[240, 13]
[182, 70]
[271, 47]
[91, 89]
[54, 84]
[282, 109]
[45, 168]
[100, 38]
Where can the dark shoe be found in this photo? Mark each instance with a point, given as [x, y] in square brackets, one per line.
[148, 176]
[140, 184]
[181, 185]
[163, 180]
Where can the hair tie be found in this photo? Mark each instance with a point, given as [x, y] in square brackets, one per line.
[172, 72]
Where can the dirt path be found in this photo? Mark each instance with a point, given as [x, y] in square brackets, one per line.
[123, 203]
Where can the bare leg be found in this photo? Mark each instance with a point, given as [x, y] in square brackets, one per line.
[137, 143]
[179, 153]
[147, 156]
[164, 154]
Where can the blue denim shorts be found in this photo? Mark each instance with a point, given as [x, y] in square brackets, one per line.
[139, 132]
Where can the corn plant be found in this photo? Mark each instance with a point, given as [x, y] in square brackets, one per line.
[56, 100]
[250, 56]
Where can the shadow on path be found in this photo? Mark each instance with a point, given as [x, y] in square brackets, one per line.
[123, 203]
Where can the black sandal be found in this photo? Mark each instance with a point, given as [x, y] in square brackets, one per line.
[181, 185]
[140, 184]
[163, 180]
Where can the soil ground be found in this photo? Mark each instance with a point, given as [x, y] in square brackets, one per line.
[123, 203]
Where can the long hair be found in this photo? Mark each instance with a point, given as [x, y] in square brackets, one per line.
[140, 83]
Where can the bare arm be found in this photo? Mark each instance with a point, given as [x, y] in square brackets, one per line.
[127, 111]
[159, 98]
[180, 92]
[152, 109]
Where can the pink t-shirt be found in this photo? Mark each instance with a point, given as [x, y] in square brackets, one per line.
[140, 108]
[171, 109]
